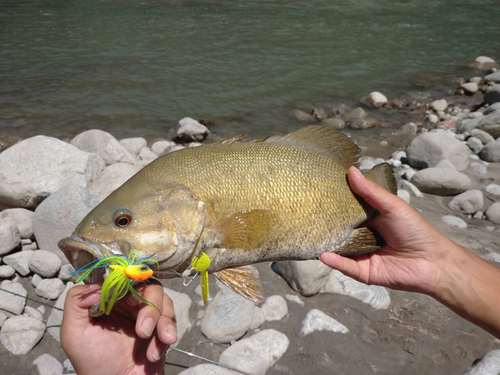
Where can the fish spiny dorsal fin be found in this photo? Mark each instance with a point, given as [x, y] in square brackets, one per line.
[243, 280]
[235, 139]
[322, 140]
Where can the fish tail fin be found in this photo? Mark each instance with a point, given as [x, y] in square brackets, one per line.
[383, 175]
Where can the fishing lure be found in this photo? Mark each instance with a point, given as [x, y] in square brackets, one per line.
[200, 264]
[124, 273]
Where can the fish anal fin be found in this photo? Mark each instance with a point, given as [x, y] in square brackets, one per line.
[235, 139]
[244, 281]
[361, 241]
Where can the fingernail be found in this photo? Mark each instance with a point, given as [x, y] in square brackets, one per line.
[94, 286]
[147, 326]
[357, 172]
[155, 353]
[170, 334]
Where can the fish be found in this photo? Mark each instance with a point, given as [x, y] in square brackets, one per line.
[284, 197]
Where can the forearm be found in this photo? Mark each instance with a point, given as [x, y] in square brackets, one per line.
[470, 286]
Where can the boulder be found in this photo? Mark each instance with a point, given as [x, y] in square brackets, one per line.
[44, 263]
[493, 77]
[428, 149]
[19, 261]
[376, 99]
[52, 163]
[275, 308]
[161, 148]
[55, 317]
[454, 221]
[103, 144]
[484, 137]
[441, 181]
[439, 105]
[182, 304]
[468, 202]
[190, 130]
[20, 334]
[9, 238]
[492, 95]
[21, 218]
[6, 272]
[134, 145]
[317, 320]
[256, 354]
[111, 179]
[475, 144]
[306, 277]
[488, 365]
[48, 365]
[10, 302]
[50, 288]
[470, 87]
[493, 213]
[491, 152]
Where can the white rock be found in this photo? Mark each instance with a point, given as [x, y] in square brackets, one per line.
[41, 308]
[21, 218]
[398, 155]
[294, 298]
[207, 369]
[10, 302]
[257, 353]
[366, 165]
[147, 155]
[55, 318]
[409, 128]
[441, 181]
[454, 221]
[439, 105]
[470, 87]
[475, 144]
[161, 148]
[33, 313]
[103, 144]
[484, 60]
[182, 304]
[376, 99]
[20, 334]
[44, 263]
[134, 145]
[493, 189]
[404, 195]
[468, 202]
[488, 365]
[479, 168]
[494, 77]
[9, 238]
[190, 130]
[35, 280]
[317, 320]
[258, 319]
[48, 365]
[111, 179]
[275, 308]
[373, 295]
[484, 137]
[65, 273]
[68, 366]
[306, 277]
[396, 163]
[409, 173]
[6, 272]
[493, 213]
[19, 261]
[3, 318]
[409, 187]
[432, 118]
[52, 163]
[50, 288]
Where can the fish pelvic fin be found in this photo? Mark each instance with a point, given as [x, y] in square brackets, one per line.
[361, 241]
[244, 281]
[383, 175]
[321, 140]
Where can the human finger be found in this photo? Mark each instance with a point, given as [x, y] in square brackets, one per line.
[78, 300]
[347, 266]
[167, 324]
[147, 317]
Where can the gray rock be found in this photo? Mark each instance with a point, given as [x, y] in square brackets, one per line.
[20, 334]
[258, 319]
[35, 280]
[364, 123]
[482, 136]
[146, 155]
[317, 320]
[33, 313]
[182, 304]
[103, 144]
[404, 195]
[6, 272]
[491, 152]
[428, 149]
[52, 163]
[475, 144]
[111, 179]
[373, 295]
[478, 215]
[441, 181]
[19, 261]
[44, 263]
[228, 317]
[479, 168]
[376, 99]
[494, 77]
[439, 105]
[492, 108]
[3, 318]
[10, 302]
[488, 365]
[303, 116]
[468, 202]
[470, 87]
[335, 123]
[134, 145]
[275, 308]
[492, 95]
[161, 148]
[207, 369]
[306, 277]
[460, 137]
[58, 216]
[48, 365]
[9, 238]
[50, 288]
[21, 218]
[493, 189]
[492, 118]
[55, 318]
[409, 173]
[65, 273]
[467, 125]
[257, 353]
[493, 213]
[190, 130]
[454, 221]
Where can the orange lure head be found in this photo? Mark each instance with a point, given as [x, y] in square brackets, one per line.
[138, 272]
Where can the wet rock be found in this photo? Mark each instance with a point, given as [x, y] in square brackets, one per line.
[468, 202]
[190, 130]
[19, 261]
[484, 137]
[55, 318]
[306, 277]
[428, 149]
[375, 296]
[441, 181]
[303, 116]
[439, 105]
[454, 221]
[493, 189]
[488, 365]
[10, 302]
[134, 145]
[182, 305]
[33, 313]
[404, 195]
[207, 369]
[9, 238]
[48, 365]
[52, 163]
[335, 123]
[491, 152]
[493, 213]
[479, 168]
[319, 114]
[50, 288]
[21, 218]
[6, 272]
[470, 88]
[257, 353]
[20, 334]
[493, 77]
[492, 95]
[44, 263]
[105, 145]
[376, 99]
[161, 148]
[475, 144]
[317, 320]
[365, 123]
[111, 179]
[275, 308]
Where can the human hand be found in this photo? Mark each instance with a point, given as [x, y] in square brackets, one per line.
[414, 253]
[133, 339]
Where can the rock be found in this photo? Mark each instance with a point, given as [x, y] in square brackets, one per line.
[317, 320]
[55, 318]
[493, 189]
[19, 261]
[404, 195]
[410, 128]
[33, 313]
[306, 277]
[58, 216]
[134, 145]
[494, 77]
[483, 63]
[31, 246]
[50, 288]
[488, 365]
[460, 137]
[375, 296]
[492, 118]
[9, 238]
[479, 168]
[491, 152]
[65, 273]
[475, 144]
[362, 124]
[428, 149]
[35, 280]
[228, 317]
[319, 114]
[258, 319]
[21, 218]
[467, 125]
[257, 353]
[20, 334]
[493, 213]
[366, 165]
[207, 369]
[48, 365]
[68, 366]
[468, 203]
[111, 179]
[6, 272]
[478, 215]
[294, 298]
[484, 137]
[161, 148]
[52, 163]
[190, 130]
[409, 187]
[376, 99]
[146, 155]
[335, 123]
[398, 155]
[470, 88]
[409, 173]
[439, 105]
[10, 302]
[432, 118]
[302, 116]
[441, 181]
[103, 144]
[275, 308]
[44, 263]
[3, 318]
[490, 109]
[454, 221]
[448, 123]
[182, 304]
[492, 95]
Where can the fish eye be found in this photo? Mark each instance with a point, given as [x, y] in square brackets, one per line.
[144, 268]
[123, 218]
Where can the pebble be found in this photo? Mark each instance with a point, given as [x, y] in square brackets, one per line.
[493, 189]
[303, 116]
[50, 288]
[48, 365]
[19, 261]
[492, 95]
[468, 202]
[454, 221]
[432, 118]
[460, 137]
[21, 218]
[6, 272]
[3, 318]
[488, 365]
[161, 148]
[319, 114]
[65, 273]
[109, 180]
[494, 77]
[491, 152]
[439, 105]
[396, 163]
[294, 298]
[398, 155]
[20, 334]
[410, 128]
[317, 320]
[10, 302]
[146, 155]
[335, 123]
[484, 137]
[68, 366]
[275, 308]
[470, 87]
[9, 238]
[44, 263]
[366, 165]
[493, 213]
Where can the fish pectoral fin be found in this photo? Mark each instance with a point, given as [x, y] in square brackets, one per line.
[243, 280]
[361, 241]
[244, 230]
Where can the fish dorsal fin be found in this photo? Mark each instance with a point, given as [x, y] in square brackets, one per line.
[243, 280]
[235, 139]
[322, 140]
[244, 230]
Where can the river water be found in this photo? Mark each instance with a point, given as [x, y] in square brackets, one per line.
[134, 68]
